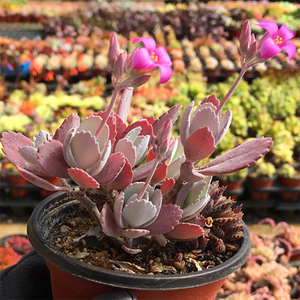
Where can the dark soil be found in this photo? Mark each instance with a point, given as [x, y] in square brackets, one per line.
[107, 252]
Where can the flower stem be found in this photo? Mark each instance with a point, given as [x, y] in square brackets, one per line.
[109, 110]
[242, 73]
[148, 179]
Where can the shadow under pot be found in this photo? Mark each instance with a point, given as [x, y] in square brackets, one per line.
[259, 183]
[74, 279]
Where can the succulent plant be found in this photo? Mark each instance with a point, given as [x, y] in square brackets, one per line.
[263, 170]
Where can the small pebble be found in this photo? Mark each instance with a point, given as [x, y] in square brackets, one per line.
[64, 228]
[81, 255]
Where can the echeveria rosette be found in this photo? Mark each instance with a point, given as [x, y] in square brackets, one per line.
[150, 57]
[202, 130]
[191, 198]
[277, 41]
[132, 217]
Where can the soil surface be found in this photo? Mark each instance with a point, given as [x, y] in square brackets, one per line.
[107, 252]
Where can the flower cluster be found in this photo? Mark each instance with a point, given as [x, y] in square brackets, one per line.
[106, 158]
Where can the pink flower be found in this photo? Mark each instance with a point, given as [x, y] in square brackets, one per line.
[150, 57]
[277, 40]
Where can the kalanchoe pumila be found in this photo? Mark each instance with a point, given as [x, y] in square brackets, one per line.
[105, 158]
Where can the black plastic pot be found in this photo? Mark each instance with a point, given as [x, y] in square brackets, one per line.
[195, 285]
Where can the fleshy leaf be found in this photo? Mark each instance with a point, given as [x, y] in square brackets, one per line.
[29, 154]
[185, 122]
[135, 233]
[38, 181]
[108, 223]
[51, 159]
[199, 145]
[162, 224]
[118, 208]
[126, 147]
[73, 121]
[238, 158]
[185, 232]
[193, 209]
[123, 179]
[83, 179]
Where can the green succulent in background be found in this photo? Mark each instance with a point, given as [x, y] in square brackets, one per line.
[283, 147]
[288, 171]
[251, 104]
[234, 177]
[297, 144]
[2, 155]
[263, 169]
[18, 95]
[197, 89]
[11, 170]
[179, 99]
[39, 98]
[259, 121]
[96, 103]
[45, 113]
[292, 124]
[14, 123]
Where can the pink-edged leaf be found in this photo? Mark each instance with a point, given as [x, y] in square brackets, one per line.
[138, 80]
[85, 150]
[108, 223]
[148, 42]
[199, 145]
[124, 104]
[135, 233]
[205, 117]
[104, 155]
[185, 122]
[123, 179]
[143, 123]
[167, 185]
[165, 74]
[225, 121]
[172, 114]
[12, 142]
[185, 232]
[211, 99]
[181, 195]
[138, 212]
[193, 209]
[29, 154]
[168, 217]
[73, 121]
[38, 181]
[156, 200]
[238, 158]
[126, 148]
[51, 159]
[83, 179]
[118, 208]
[112, 168]
[188, 173]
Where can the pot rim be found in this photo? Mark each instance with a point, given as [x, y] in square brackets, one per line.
[122, 279]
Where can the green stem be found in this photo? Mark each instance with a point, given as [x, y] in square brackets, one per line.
[242, 73]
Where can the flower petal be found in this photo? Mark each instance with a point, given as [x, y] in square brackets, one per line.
[269, 48]
[290, 48]
[285, 33]
[142, 60]
[148, 42]
[163, 56]
[270, 26]
[165, 73]
[83, 179]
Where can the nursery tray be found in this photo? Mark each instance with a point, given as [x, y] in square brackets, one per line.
[20, 30]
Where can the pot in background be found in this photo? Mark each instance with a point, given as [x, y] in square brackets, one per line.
[73, 279]
[290, 183]
[260, 183]
[17, 180]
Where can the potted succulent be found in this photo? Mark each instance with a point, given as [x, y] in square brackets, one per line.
[261, 176]
[289, 176]
[146, 237]
[233, 182]
[13, 177]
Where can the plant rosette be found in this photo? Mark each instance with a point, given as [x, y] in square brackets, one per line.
[18, 242]
[289, 176]
[118, 169]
